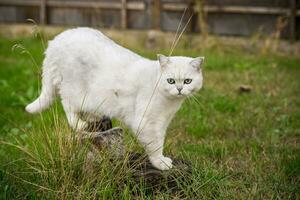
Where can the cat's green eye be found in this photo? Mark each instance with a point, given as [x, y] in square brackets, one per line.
[187, 81]
[171, 81]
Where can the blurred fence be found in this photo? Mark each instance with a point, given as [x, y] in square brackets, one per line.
[226, 17]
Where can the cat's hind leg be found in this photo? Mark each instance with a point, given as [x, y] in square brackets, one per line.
[73, 118]
[75, 122]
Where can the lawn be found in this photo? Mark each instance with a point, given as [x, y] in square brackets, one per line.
[243, 145]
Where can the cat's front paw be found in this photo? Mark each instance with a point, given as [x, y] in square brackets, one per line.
[161, 163]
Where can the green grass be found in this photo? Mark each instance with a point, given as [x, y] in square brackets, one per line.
[242, 145]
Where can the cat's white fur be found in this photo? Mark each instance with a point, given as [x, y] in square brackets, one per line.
[94, 75]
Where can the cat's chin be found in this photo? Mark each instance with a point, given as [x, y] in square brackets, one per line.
[177, 96]
[180, 95]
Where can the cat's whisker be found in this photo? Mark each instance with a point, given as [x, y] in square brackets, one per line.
[188, 99]
[196, 100]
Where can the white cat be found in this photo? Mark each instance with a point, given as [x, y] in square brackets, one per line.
[94, 75]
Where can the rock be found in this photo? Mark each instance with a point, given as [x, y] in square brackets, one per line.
[111, 139]
[142, 171]
[155, 180]
[245, 88]
[103, 125]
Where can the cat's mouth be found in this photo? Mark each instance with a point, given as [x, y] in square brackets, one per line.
[180, 95]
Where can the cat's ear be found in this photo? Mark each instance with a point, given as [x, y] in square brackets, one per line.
[197, 62]
[163, 60]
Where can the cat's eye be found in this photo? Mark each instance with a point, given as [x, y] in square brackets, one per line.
[171, 81]
[187, 81]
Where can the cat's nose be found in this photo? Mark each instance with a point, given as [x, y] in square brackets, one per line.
[179, 89]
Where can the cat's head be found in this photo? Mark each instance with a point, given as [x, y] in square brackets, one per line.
[181, 76]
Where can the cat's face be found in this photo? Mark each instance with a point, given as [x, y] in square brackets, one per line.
[181, 76]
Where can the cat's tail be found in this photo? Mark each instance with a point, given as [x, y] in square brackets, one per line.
[46, 97]
[43, 101]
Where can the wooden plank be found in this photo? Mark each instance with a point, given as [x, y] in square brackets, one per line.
[103, 5]
[136, 6]
[141, 6]
[76, 4]
[124, 14]
[247, 10]
[228, 9]
[156, 9]
[292, 21]
[173, 6]
[43, 12]
[83, 4]
[19, 3]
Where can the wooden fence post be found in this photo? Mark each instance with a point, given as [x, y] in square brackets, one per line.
[124, 14]
[292, 21]
[156, 14]
[191, 12]
[43, 17]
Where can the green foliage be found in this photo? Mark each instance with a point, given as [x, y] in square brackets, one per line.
[242, 145]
